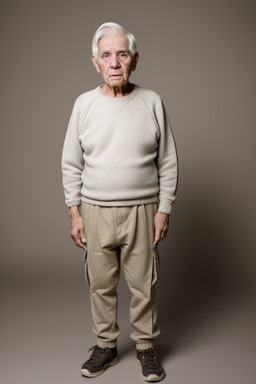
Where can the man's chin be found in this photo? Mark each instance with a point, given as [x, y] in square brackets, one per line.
[117, 84]
[117, 79]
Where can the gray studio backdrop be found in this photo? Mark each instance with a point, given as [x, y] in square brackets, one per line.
[200, 57]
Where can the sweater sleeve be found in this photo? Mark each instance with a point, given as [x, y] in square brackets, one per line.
[72, 160]
[167, 160]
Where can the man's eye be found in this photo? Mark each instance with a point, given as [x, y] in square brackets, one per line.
[123, 54]
[106, 55]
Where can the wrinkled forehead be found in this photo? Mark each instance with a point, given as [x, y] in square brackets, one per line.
[113, 41]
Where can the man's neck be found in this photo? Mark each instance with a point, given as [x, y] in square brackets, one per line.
[117, 91]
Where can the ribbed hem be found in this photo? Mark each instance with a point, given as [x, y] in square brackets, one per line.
[106, 344]
[121, 203]
[71, 203]
[143, 346]
[165, 206]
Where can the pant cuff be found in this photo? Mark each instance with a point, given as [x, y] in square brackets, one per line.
[143, 345]
[107, 344]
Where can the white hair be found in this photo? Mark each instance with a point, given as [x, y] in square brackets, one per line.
[108, 28]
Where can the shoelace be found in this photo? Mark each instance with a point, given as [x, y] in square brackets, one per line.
[150, 358]
[96, 355]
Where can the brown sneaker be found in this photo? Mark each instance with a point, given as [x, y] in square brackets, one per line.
[99, 361]
[151, 367]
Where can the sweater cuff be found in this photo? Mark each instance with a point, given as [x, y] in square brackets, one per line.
[165, 206]
[71, 203]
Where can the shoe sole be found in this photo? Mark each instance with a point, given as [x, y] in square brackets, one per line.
[87, 373]
[152, 378]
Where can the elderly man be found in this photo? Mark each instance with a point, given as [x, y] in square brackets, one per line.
[119, 164]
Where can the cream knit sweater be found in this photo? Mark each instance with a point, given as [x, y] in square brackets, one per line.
[119, 151]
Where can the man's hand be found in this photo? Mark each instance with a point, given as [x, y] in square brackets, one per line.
[161, 224]
[77, 227]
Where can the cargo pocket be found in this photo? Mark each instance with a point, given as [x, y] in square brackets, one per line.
[86, 266]
[156, 265]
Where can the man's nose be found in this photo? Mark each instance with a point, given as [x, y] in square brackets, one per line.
[115, 62]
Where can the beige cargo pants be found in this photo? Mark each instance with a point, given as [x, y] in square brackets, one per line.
[122, 237]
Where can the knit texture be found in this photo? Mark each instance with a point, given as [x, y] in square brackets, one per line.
[119, 151]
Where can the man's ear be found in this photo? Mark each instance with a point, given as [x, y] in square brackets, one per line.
[95, 63]
[135, 60]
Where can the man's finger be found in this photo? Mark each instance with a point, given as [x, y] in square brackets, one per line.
[163, 234]
[79, 243]
[77, 240]
[82, 236]
[157, 236]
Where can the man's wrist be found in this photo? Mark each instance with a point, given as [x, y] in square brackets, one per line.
[164, 213]
[74, 211]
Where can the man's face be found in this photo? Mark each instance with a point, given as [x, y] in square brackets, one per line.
[115, 62]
